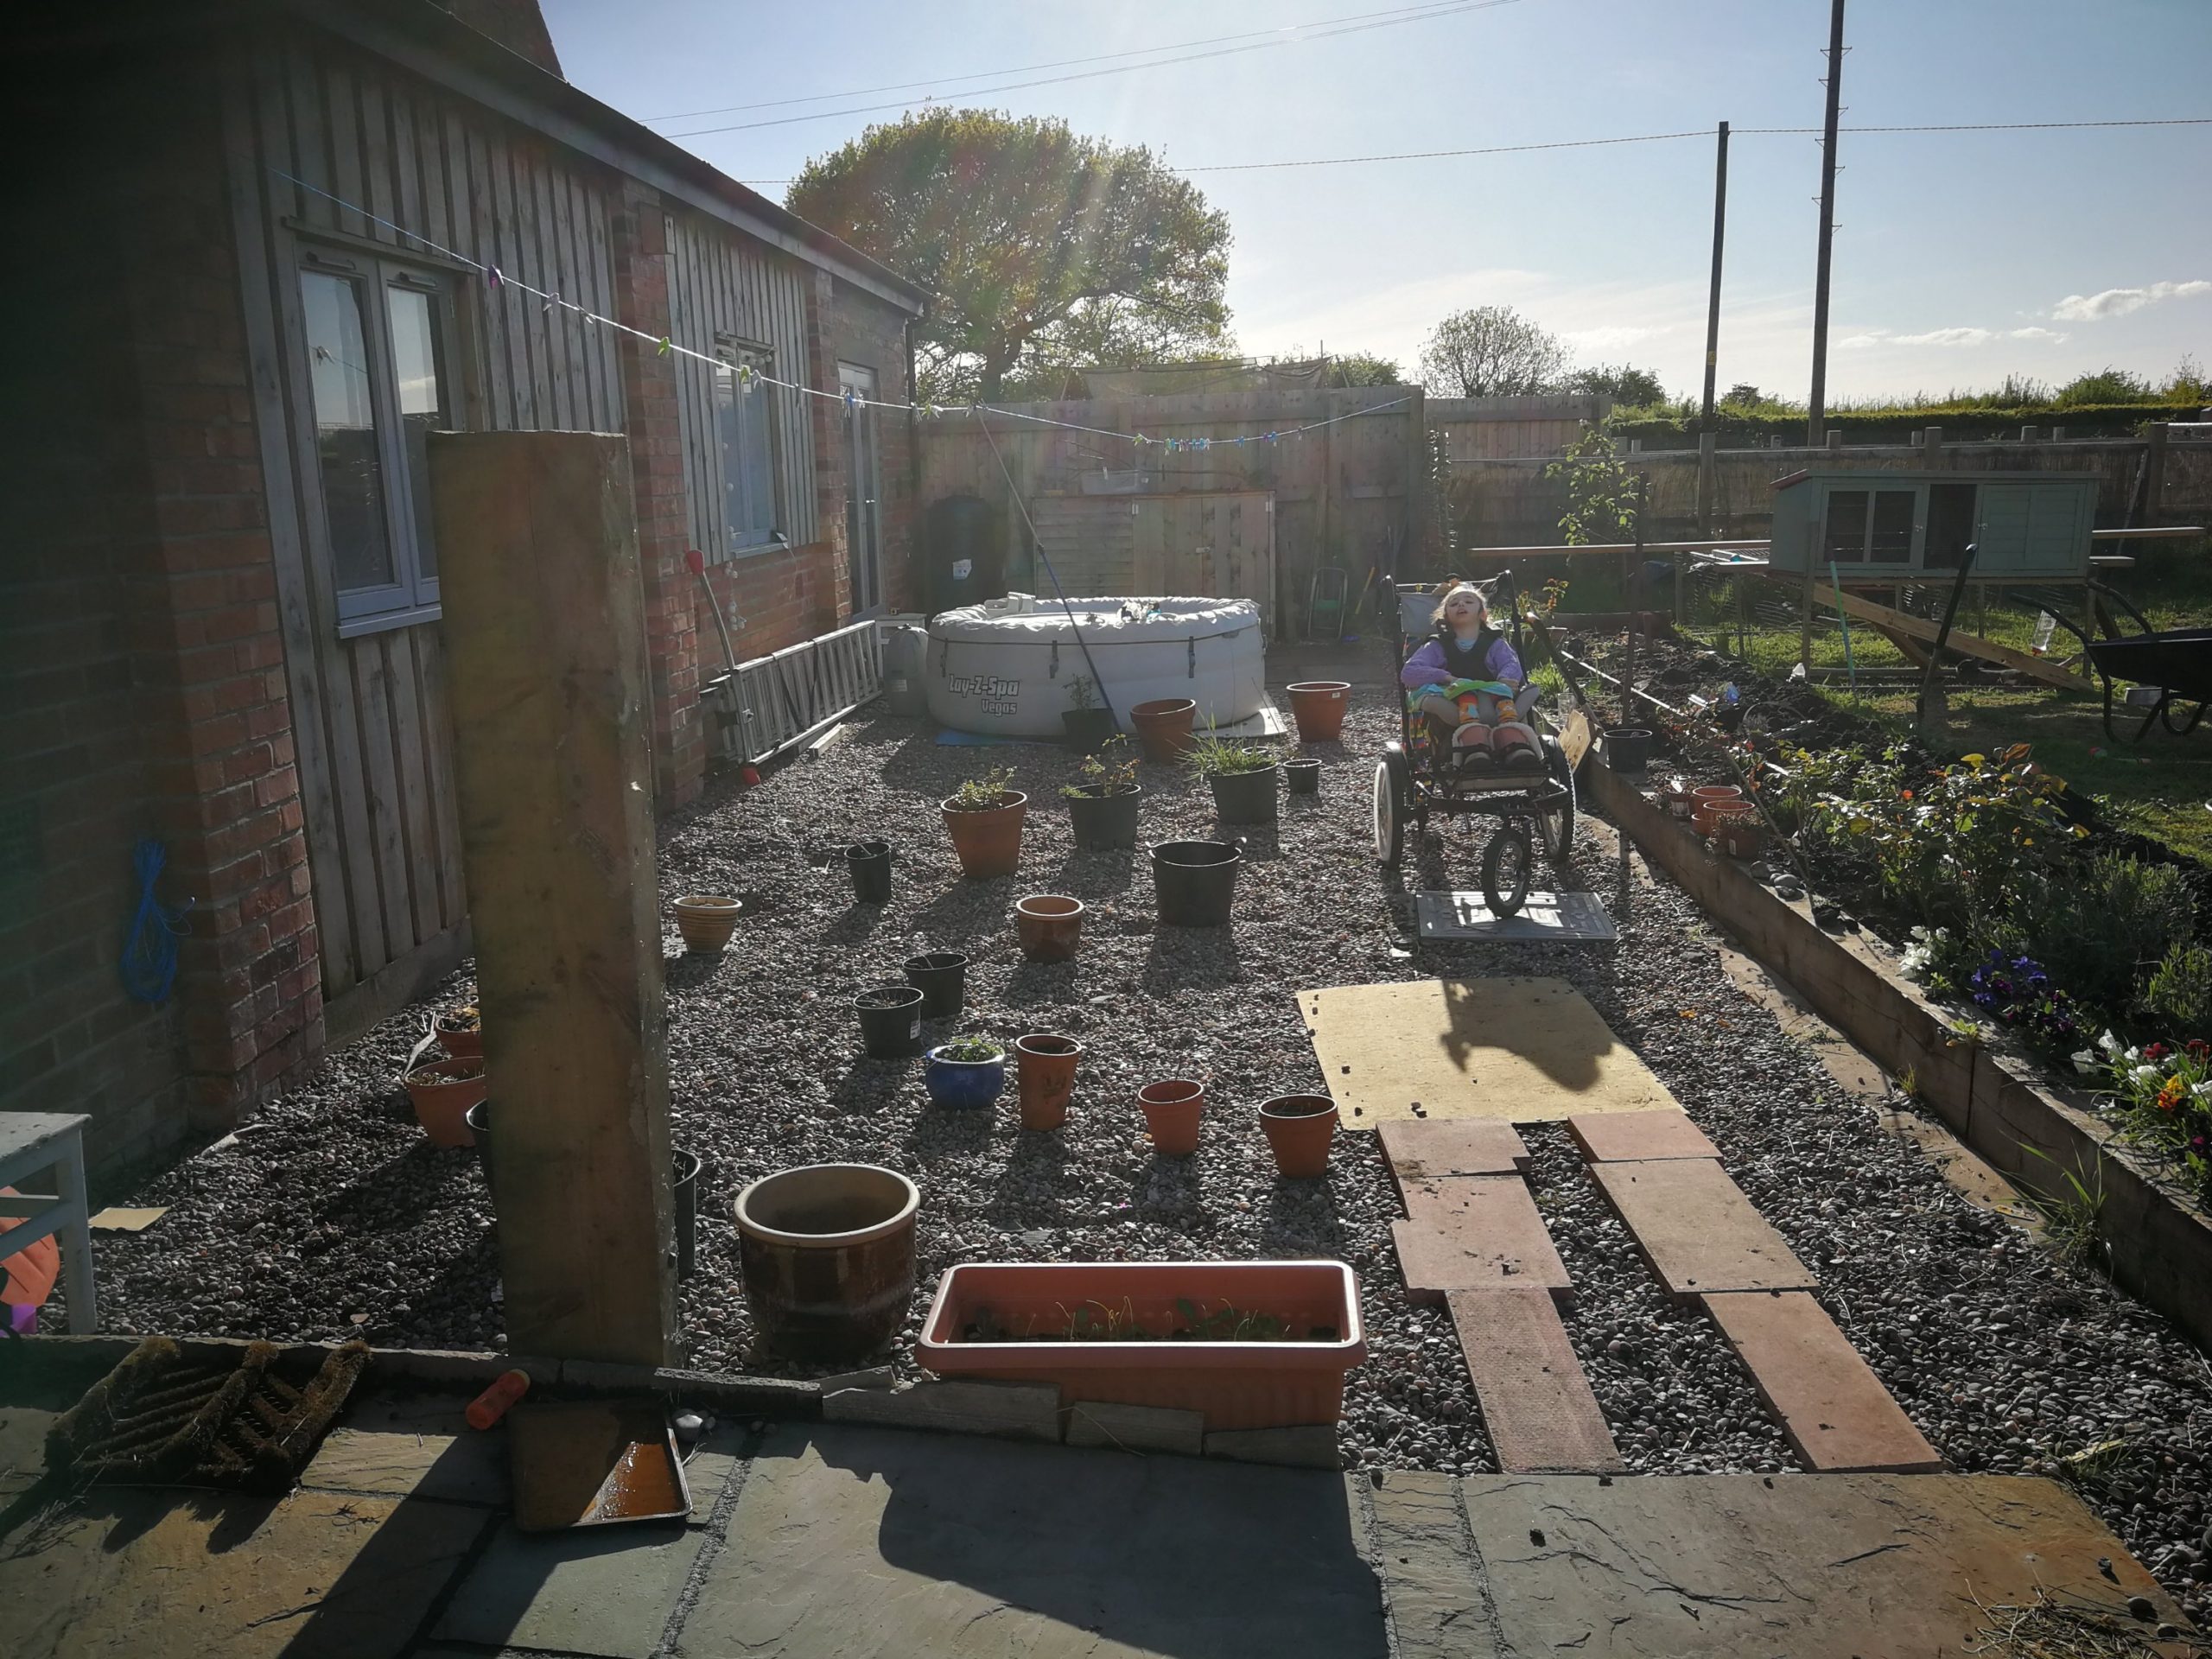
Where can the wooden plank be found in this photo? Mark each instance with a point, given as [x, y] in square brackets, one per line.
[1969, 645]
[1419, 1150]
[1633, 1137]
[1697, 1228]
[1475, 1233]
[412, 767]
[544, 615]
[437, 749]
[1832, 1407]
[372, 694]
[1535, 1400]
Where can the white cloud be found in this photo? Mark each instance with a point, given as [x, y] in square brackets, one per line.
[1946, 337]
[1861, 342]
[2052, 335]
[1611, 337]
[2119, 301]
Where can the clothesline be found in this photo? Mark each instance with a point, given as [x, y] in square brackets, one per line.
[747, 375]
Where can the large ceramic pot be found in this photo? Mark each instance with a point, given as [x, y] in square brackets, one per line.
[988, 840]
[827, 1254]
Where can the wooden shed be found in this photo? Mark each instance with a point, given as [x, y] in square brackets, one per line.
[1878, 525]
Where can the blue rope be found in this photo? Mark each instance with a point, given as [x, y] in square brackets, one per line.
[149, 948]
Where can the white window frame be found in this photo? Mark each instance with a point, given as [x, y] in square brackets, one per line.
[862, 436]
[412, 595]
[749, 525]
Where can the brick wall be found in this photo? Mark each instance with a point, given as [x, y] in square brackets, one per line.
[143, 594]
[866, 331]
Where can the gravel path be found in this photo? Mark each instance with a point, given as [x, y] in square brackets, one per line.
[329, 1216]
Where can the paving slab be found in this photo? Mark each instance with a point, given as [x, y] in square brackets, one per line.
[1697, 1228]
[1475, 1233]
[1833, 1408]
[185, 1574]
[1420, 1149]
[1809, 1566]
[22, 1446]
[1511, 1049]
[1136, 1428]
[1536, 1403]
[947, 1545]
[1023, 1410]
[420, 1445]
[1435, 1601]
[1545, 917]
[1298, 1446]
[606, 1591]
[1635, 1137]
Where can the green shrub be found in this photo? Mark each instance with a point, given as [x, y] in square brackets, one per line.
[2102, 925]
[2180, 992]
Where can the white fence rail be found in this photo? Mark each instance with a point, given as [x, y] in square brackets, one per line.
[773, 701]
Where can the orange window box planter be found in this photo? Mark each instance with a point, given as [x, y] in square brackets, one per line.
[1250, 1384]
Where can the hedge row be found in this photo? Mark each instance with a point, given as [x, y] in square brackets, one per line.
[1896, 425]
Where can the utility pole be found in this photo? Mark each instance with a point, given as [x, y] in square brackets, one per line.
[1706, 436]
[1817, 404]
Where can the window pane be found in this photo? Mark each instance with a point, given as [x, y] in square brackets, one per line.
[1893, 511]
[759, 467]
[744, 432]
[1847, 537]
[346, 432]
[415, 360]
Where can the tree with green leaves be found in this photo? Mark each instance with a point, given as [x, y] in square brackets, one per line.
[1042, 249]
[1490, 350]
[1631, 388]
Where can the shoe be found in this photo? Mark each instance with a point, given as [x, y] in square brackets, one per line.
[1474, 760]
[1521, 758]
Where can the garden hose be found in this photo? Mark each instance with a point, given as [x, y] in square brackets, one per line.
[149, 948]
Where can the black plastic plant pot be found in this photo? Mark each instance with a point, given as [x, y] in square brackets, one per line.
[1627, 747]
[683, 1170]
[1089, 729]
[890, 1021]
[1103, 823]
[870, 863]
[941, 978]
[1302, 777]
[1245, 796]
[1195, 882]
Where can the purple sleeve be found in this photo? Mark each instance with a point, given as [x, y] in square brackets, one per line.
[1504, 663]
[1425, 667]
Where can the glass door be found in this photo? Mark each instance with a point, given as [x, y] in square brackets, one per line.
[863, 489]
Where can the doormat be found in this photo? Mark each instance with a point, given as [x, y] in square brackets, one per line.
[1268, 722]
[1512, 1049]
[1559, 916]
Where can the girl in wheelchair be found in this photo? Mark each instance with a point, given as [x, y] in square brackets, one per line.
[1467, 682]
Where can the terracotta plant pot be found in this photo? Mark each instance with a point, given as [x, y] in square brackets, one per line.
[1704, 799]
[1172, 1112]
[1300, 1128]
[988, 840]
[1318, 708]
[464, 1042]
[1233, 1384]
[1045, 1067]
[1710, 819]
[1165, 726]
[442, 1092]
[1741, 834]
[706, 921]
[826, 1253]
[1049, 925]
[1678, 801]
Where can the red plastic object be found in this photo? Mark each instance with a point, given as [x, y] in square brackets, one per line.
[1235, 1385]
[695, 560]
[487, 1407]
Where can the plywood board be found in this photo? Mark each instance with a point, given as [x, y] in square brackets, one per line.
[1697, 1228]
[1515, 1050]
[1536, 1403]
[1833, 1408]
[1475, 1233]
[1555, 917]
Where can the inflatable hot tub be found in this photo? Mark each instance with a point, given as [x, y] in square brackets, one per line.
[1008, 667]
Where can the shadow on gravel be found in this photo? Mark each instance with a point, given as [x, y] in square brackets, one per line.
[917, 762]
[690, 970]
[1192, 958]
[423, 1178]
[1095, 876]
[968, 910]
[1035, 1167]
[857, 922]
[940, 1133]
[870, 1085]
[1300, 1218]
[1043, 984]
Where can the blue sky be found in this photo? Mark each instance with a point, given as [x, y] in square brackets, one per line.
[1960, 257]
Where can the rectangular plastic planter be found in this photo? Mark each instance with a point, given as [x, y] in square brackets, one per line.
[1235, 1385]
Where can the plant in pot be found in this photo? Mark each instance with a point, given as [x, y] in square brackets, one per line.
[965, 1075]
[1090, 728]
[460, 1033]
[441, 1092]
[1102, 807]
[1242, 775]
[984, 818]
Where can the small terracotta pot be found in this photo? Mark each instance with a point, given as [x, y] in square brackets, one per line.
[1044, 1065]
[1172, 1110]
[1165, 726]
[1741, 834]
[1318, 708]
[441, 1099]
[461, 1045]
[1711, 818]
[988, 840]
[1049, 925]
[706, 920]
[1300, 1128]
[1678, 801]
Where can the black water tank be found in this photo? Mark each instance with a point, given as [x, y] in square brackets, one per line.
[966, 550]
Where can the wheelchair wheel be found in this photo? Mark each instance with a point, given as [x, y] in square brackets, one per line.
[1556, 823]
[1507, 863]
[1393, 790]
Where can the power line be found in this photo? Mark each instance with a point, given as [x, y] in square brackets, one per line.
[1438, 6]
[1387, 22]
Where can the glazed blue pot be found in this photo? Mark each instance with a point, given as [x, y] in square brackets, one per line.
[962, 1085]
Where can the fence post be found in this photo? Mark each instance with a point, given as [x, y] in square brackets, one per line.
[539, 568]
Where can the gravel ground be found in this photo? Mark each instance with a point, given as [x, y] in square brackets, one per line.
[328, 1215]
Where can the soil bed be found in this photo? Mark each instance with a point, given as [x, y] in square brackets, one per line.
[329, 1216]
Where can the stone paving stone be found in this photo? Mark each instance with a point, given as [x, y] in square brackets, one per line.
[419, 1444]
[1630, 1137]
[198, 1574]
[948, 1545]
[1474, 1232]
[1431, 1593]
[1419, 1148]
[602, 1590]
[1536, 1403]
[1136, 1428]
[1026, 1411]
[22, 1446]
[1697, 1228]
[1833, 1408]
[1302, 1446]
[1809, 1566]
